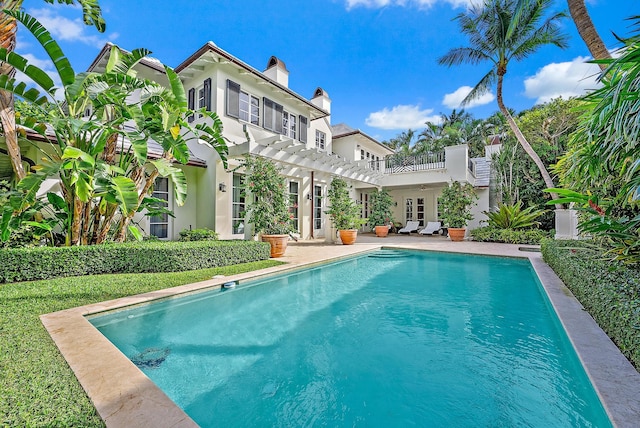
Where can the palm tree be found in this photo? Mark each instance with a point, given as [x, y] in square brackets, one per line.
[498, 32]
[403, 143]
[587, 31]
[92, 15]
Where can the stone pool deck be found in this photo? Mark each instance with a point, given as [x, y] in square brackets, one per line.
[125, 397]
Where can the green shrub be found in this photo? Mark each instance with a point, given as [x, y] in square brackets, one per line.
[609, 291]
[199, 235]
[26, 264]
[514, 217]
[509, 236]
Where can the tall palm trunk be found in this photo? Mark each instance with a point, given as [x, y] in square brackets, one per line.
[8, 28]
[548, 181]
[587, 31]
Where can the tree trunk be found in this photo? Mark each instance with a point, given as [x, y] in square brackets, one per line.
[8, 28]
[124, 223]
[587, 31]
[8, 117]
[548, 181]
[76, 222]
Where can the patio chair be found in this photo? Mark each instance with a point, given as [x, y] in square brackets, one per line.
[411, 226]
[432, 227]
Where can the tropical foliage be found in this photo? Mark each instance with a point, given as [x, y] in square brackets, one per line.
[458, 127]
[267, 197]
[455, 204]
[344, 212]
[601, 170]
[91, 14]
[380, 203]
[514, 217]
[101, 159]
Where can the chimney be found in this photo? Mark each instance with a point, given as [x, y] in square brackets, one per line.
[321, 99]
[276, 70]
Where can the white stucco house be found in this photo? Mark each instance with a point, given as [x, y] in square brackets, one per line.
[261, 116]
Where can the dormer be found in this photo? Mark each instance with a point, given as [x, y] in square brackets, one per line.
[276, 70]
[321, 99]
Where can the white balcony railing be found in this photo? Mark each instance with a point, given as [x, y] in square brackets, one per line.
[396, 164]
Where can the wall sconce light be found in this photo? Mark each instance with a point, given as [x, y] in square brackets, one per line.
[309, 196]
[395, 204]
[222, 187]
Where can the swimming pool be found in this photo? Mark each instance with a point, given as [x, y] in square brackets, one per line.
[389, 338]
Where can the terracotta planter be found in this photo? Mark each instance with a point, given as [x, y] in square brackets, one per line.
[278, 244]
[349, 236]
[382, 231]
[457, 234]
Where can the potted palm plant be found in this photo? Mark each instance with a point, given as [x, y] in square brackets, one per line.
[267, 199]
[343, 211]
[455, 208]
[381, 216]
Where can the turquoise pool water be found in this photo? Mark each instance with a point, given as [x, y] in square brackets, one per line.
[392, 338]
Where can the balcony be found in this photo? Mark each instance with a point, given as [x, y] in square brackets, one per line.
[398, 163]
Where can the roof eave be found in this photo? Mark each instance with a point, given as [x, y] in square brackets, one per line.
[211, 47]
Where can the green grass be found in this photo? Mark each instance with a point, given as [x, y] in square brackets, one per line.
[36, 385]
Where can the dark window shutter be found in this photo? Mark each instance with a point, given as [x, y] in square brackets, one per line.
[233, 99]
[278, 118]
[192, 102]
[267, 120]
[303, 129]
[207, 94]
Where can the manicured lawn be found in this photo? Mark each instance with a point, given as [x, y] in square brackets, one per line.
[37, 388]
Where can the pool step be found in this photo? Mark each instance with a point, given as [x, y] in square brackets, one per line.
[388, 254]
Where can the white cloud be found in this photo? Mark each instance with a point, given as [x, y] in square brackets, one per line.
[402, 117]
[454, 99]
[420, 4]
[65, 29]
[564, 79]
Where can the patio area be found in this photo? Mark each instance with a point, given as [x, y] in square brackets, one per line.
[122, 393]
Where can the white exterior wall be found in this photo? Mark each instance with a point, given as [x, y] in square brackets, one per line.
[214, 208]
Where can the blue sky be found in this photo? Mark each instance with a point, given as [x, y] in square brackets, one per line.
[377, 59]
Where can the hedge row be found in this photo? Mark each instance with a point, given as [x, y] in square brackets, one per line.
[609, 291]
[509, 236]
[27, 264]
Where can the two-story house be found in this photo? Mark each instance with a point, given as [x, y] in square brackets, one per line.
[261, 116]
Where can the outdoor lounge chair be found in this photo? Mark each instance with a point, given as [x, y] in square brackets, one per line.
[432, 227]
[412, 226]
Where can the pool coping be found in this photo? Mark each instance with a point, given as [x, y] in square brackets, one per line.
[122, 394]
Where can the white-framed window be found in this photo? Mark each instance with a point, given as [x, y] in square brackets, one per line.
[294, 197]
[317, 207]
[249, 108]
[289, 124]
[408, 209]
[237, 205]
[321, 139]
[159, 225]
[364, 203]
[420, 211]
[199, 97]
